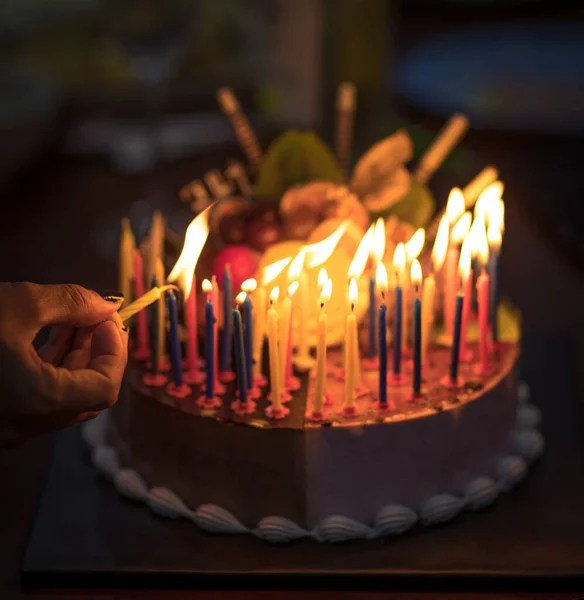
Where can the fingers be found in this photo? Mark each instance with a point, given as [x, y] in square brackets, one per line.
[58, 344]
[34, 306]
[97, 386]
[80, 350]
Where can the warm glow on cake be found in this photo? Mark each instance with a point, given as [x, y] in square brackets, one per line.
[319, 252]
[359, 261]
[272, 271]
[440, 244]
[461, 229]
[195, 238]
[455, 205]
[415, 244]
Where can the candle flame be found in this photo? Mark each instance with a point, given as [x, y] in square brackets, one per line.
[415, 244]
[416, 273]
[480, 243]
[465, 261]
[327, 290]
[378, 241]
[399, 258]
[195, 238]
[320, 252]
[381, 277]
[488, 198]
[292, 288]
[441, 244]
[496, 214]
[461, 229]
[296, 266]
[207, 286]
[359, 261]
[455, 205]
[274, 294]
[272, 271]
[494, 237]
[249, 286]
[353, 292]
[240, 298]
[322, 277]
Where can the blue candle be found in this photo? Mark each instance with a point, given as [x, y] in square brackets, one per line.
[417, 345]
[248, 338]
[240, 355]
[154, 331]
[456, 339]
[371, 352]
[383, 354]
[175, 349]
[225, 364]
[494, 293]
[397, 334]
[209, 347]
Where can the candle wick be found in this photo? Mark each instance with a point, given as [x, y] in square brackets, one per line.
[352, 306]
[321, 305]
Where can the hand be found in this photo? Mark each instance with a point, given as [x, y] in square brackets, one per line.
[75, 375]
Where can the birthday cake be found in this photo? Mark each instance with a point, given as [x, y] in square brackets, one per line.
[355, 387]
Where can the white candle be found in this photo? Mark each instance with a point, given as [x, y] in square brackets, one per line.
[351, 344]
[259, 330]
[320, 383]
[273, 334]
[126, 260]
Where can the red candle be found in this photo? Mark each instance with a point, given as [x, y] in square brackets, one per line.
[465, 315]
[215, 299]
[483, 302]
[142, 351]
[192, 325]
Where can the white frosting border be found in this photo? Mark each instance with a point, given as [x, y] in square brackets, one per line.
[393, 519]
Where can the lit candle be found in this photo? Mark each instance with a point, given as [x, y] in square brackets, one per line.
[494, 239]
[269, 273]
[416, 277]
[320, 381]
[248, 287]
[163, 361]
[414, 247]
[155, 241]
[454, 210]
[142, 351]
[209, 340]
[488, 201]
[483, 301]
[303, 360]
[464, 269]
[447, 138]
[177, 387]
[286, 318]
[377, 253]
[458, 232]
[478, 183]
[346, 101]
[245, 135]
[218, 386]
[467, 246]
[240, 358]
[381, 277]
[399, 260]
[126, 260]
[429, 288]
[350, 357]
[193, 375]
[276, 409]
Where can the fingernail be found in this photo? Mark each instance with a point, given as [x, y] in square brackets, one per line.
[111, 296]
[124, 328]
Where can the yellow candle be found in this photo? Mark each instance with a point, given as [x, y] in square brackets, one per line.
[156, 242]
[273, 331]
[303, 360]
[144, 301]
[285, 316]
[320, 383]
[159, 271]
[351, 345]
[126, 260]
[259, 329]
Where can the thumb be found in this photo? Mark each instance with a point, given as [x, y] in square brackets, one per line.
[66, 304]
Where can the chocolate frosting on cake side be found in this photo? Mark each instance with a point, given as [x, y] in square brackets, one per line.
[306, 473]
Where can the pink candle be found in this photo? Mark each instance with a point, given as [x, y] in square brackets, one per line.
[450, 287]
[288, 374]
[483, 302]
[142, 351]
[192, 325]
[465, 315]
[215, 299]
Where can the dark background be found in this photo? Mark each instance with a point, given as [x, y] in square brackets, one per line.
[86, 96]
